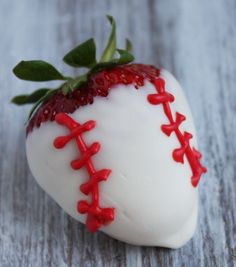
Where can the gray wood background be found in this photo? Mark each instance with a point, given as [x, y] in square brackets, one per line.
[194, 39]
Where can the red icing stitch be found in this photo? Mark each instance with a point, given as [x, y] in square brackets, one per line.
[96, 216]
[193, 156]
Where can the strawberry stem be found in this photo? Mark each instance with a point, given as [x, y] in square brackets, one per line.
[110, 49]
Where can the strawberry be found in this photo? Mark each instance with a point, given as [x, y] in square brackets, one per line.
[145, 139]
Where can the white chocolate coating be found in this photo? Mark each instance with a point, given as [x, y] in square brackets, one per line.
[155, 203]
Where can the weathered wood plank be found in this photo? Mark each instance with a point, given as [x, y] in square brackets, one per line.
[193, 39]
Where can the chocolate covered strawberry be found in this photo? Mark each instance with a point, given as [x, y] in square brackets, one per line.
[115, 147]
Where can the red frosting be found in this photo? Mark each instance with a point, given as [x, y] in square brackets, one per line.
[193, 156]
[96, 216]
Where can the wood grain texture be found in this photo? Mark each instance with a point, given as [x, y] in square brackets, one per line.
[194, 39]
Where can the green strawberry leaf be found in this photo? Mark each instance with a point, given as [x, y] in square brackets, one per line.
[70, 86]
[79, 81]
[41, 100]
[129, 45]
[83, 55]
[30, 98]
[66, 88]
[101, 66]
[37, 70]
[125, 57]
[111, 46]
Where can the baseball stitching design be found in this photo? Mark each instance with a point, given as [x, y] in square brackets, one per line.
[96, 216]
[193, 156]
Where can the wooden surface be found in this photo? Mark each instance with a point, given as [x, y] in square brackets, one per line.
[194, 39]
